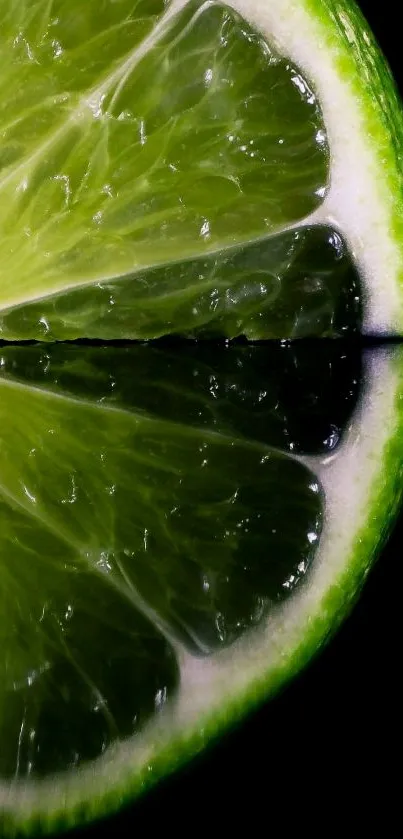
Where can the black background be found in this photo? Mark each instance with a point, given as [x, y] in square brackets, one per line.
[333, 737]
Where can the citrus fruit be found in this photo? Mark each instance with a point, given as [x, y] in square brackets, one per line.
[196, 168]
[180, 532]
[182, 529]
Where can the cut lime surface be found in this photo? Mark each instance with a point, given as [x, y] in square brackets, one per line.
[196, 168]
[182, 530]
[152, 587]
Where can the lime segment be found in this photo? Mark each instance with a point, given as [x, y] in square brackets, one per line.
[287, 397]
[80, 667]
[297, 284]
[194, 521]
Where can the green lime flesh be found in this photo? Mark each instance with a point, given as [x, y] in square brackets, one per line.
[142, 518]
[133, 205]
[133, 533]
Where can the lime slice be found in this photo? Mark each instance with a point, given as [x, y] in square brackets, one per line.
[152, 587]
[197, 169]
[201, 169]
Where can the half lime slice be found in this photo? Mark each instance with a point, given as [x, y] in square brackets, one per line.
[153, 588]
[197, 168]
